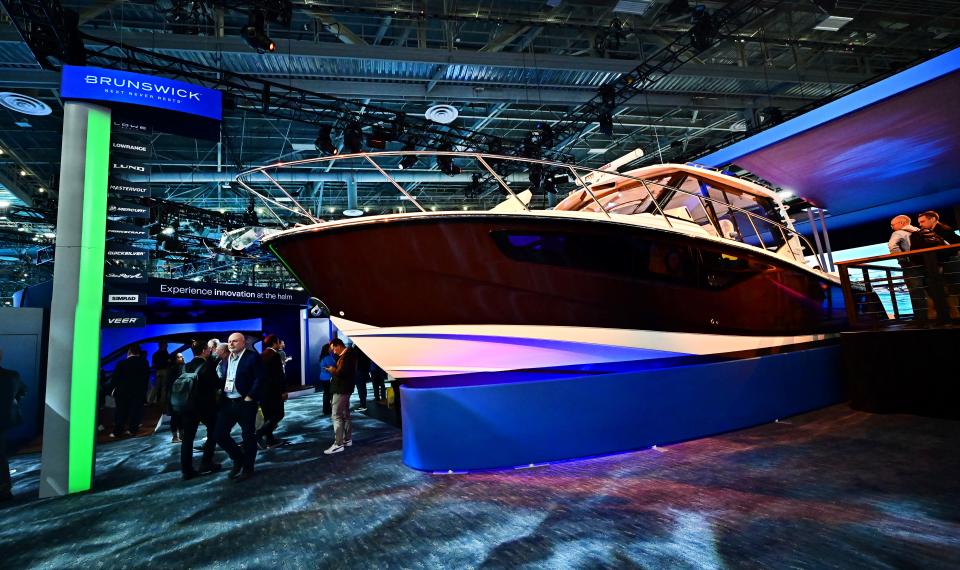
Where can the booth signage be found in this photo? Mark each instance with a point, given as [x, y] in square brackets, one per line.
[125, 167]
[125, 147]
[128, 209]
[97, 84]
[121, 187]
[126, 299]
[124, 251]
[125, 273]
[116, 319]
[126, 231]
[131, 126]
[173, 289]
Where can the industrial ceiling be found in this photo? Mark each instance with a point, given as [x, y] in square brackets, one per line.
[507, 68]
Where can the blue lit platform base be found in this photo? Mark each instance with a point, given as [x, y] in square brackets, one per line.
[502, 421]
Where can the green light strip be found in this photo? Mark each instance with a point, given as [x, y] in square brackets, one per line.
[284, 262]
[86, 327]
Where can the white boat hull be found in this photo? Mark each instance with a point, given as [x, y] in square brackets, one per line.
[421, 351]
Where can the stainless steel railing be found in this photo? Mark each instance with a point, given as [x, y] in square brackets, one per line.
[247, 180]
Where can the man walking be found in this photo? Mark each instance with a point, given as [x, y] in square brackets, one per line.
[344, 375]
[201, 408]
[275, 384]
[242, 372]
[130, 380]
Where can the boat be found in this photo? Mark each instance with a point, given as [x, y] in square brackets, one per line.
[669, 262]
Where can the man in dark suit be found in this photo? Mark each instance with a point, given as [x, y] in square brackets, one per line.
[130, 380]
[242, 372]
[275, 384]
[201, 408]
[344, 377]
[12, 391]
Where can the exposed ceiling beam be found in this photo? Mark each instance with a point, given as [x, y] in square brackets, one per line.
[11, 79]
[173, 43]
[337, 28]
[546, 96]
[186, 43]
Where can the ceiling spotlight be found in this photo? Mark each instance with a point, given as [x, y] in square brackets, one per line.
[255, 35]
[324, 143]
[49, 235]
[41, 189]
[379, 137]
[23, 173]
[677, 8]
[169, 231]
[605, 123]
[542, 135]
[550, 182]
[535, 176]
[703, 33]
[4, 204]
[21, 228]
[409, 160]
[472, 190]
[353, 137]
[445, 163]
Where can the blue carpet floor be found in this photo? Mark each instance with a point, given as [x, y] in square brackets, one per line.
[829, 489]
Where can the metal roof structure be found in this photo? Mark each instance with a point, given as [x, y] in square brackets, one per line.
[505, 66]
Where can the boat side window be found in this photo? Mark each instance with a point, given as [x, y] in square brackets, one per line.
[686, 204]
[723, 269]
[633, 257]
[633, 198]
[730, 205]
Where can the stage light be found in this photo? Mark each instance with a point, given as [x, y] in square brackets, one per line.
[535, 176]
[353, 137]
[324, 143]
[542, 135]
[703, 33]
[677, 8]
[255, 35]
[445, 163]
[605, 122]
[472, 190]
[409, 160]
[379, 137]
[551, 182]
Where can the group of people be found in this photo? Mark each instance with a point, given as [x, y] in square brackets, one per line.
[931, 233]
[224, 385]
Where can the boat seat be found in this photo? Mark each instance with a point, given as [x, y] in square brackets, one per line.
[728, 230]
[726, 226]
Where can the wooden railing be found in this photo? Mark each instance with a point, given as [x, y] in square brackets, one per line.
[930, 279]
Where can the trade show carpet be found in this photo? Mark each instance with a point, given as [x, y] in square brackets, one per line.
[828, 489]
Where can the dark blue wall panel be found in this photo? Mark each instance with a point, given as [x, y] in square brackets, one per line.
[513, 424]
